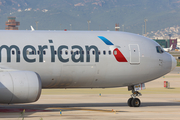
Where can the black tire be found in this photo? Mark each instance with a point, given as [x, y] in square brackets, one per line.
[129, 102]
[135, 102]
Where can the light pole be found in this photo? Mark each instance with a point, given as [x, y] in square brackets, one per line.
[37, 25]
[60, 26]
[123, 27]
[88, 24]
[145, 20]
[70, 26]
[142, 29]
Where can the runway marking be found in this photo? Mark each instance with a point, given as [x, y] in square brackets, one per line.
[9, 110]
[84, 109]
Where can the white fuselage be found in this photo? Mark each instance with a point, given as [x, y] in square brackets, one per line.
[53, 55]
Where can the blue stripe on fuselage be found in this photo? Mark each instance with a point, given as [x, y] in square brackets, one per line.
[106, 41]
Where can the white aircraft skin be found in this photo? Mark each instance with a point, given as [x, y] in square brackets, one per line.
[139, 60]
[168, 49]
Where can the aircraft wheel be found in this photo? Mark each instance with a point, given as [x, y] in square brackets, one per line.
[135, 102]
[129, 102]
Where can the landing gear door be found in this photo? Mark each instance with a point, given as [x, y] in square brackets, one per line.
[134, 54]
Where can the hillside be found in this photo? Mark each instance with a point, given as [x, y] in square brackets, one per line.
[59, 14]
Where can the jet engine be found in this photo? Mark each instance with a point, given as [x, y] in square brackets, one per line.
[19, 87]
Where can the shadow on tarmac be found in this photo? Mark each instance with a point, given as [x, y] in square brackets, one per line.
[46, 106]
[34, 108]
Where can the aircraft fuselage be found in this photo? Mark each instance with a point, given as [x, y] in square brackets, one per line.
[72, 59]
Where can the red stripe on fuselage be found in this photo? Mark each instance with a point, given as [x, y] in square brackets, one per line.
[119, 56]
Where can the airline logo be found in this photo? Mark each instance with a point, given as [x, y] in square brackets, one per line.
[116, 52]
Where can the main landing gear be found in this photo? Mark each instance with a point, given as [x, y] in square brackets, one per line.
[133, 101]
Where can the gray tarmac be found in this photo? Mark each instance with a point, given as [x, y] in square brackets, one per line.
[158, 103]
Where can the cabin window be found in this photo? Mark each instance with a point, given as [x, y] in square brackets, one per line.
[39, 52]
[60, 52]
[13, 52]
[77, 52]
[104, 52]
[32, 52]
[109, 52]
[115, 52]
[19, 52]
[99, 52]
[66, 52]
[71, 52]
[88, 52]
[83, 52]
[44, 52]
[93, 52]
[55, 52]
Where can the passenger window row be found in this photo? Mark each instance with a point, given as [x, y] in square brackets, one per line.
[82, 52]
[30, 53]
[66, 52]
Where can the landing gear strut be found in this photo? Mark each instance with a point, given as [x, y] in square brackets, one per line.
[133, 101]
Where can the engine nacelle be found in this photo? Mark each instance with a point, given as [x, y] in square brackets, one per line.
[19, 87]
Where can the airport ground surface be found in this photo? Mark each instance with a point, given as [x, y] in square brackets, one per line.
[158, 103]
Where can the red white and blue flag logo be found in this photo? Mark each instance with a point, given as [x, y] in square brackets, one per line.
[116, 52]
